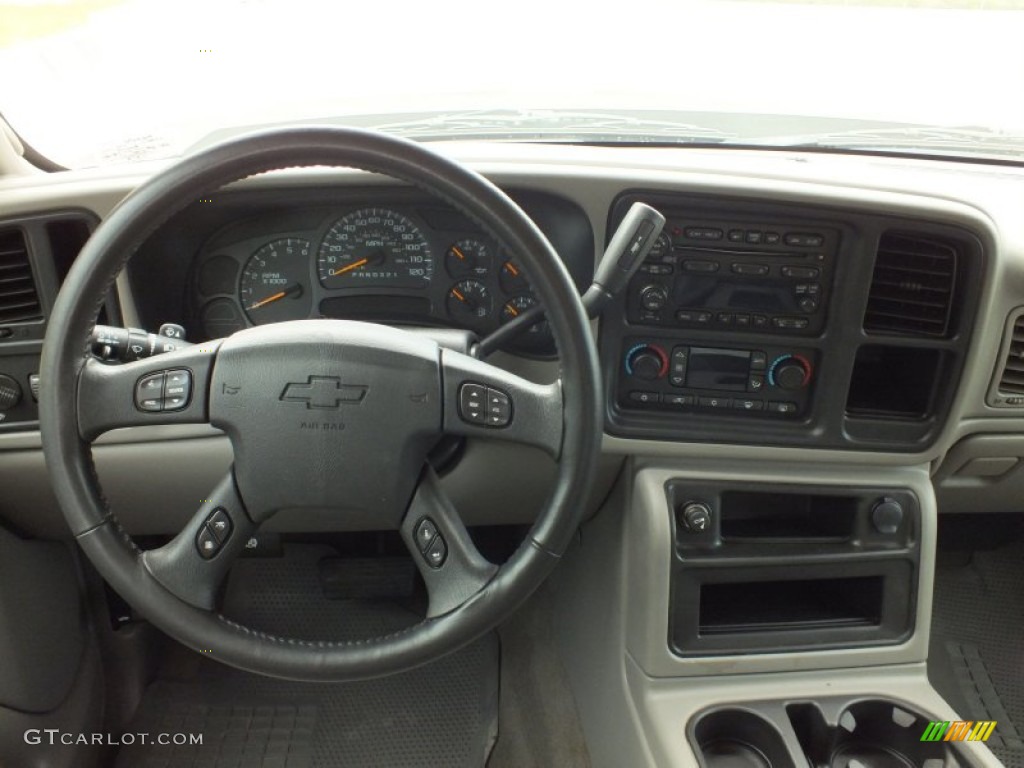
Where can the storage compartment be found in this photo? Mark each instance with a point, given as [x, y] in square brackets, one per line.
[735, 738]
[763, 606]
[893, 382]
[761, 515]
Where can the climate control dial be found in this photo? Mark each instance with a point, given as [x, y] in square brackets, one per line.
[647, 361]
[790, 372]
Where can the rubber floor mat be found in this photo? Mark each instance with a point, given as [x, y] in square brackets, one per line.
[442, 714]
[976, 659]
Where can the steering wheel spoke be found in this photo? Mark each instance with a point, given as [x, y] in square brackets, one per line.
[450, 563]
[166, 389]
[482, 400]
[193, 564]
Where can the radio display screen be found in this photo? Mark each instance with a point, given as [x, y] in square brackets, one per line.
[715, 292]
[721, 369]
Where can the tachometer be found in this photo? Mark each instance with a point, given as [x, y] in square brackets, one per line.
[273, 284]
[375, 246]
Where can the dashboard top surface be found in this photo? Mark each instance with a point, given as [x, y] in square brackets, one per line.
[983, 201]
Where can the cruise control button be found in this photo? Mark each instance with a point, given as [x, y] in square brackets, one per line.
[473, 403]
[220, 524]
[425, 533]
[436, 552]
[207, 543]
[151, 404]
[175, 403]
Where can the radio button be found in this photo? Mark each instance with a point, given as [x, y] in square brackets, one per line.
[680, 401]
[703, 233]
[644, 398]
[750, 269]
[804, 239]
[736, 235]
[807, 289]
[755, 383]
[742, 321]
[704, 317]
[714, 402]
[759, 321]
[772, 238]
[700, 265]
[808, 304]
[741, 404]
[758, 360]
[754, 236]
[790, 323]
[804, 273]
[725, 318]
[776, 406]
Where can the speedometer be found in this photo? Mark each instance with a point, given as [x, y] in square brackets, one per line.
[375, 246]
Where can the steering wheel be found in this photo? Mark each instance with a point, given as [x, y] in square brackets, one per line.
[321, 414]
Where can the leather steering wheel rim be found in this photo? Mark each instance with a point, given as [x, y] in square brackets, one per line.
[69, 455]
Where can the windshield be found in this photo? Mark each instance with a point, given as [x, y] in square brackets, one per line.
[97, 82]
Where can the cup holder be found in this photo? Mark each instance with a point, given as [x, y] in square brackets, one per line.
[868, 734]
[737, 738]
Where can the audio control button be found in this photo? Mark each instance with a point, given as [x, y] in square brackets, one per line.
[699, 265]
[750, 269]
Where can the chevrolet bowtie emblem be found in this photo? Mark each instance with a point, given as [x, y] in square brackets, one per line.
[324, 392]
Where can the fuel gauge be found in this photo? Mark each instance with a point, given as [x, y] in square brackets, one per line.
[469, 302]
[512, 278]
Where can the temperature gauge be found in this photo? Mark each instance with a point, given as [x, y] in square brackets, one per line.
[515, 306]
[512, 278]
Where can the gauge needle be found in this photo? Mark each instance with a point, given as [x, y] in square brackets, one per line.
[459, 254]
[512, 311]
[350, 267]
[296, 288]
[512, 268]
[459, 296]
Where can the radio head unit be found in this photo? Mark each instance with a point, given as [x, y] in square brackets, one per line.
[765, 278]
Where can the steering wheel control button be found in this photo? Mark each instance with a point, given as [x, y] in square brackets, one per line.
[499, 408]
[437, 552]
[426, 531]
[473, 403]
[207, 543]
[149, 392]
[220, 524]
[177, 389]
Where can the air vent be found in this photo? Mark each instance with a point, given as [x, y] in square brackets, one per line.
[912, 286]
[1010, 389]
[19, 301]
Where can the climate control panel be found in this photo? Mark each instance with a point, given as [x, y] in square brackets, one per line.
[671, 374]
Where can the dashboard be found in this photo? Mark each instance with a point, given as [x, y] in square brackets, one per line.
[797, 308]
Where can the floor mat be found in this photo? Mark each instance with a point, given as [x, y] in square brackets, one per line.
[441, 714]
[976, 659]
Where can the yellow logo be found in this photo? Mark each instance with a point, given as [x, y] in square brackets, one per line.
[959, 730]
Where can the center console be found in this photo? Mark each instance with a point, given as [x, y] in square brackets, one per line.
[804, 327]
